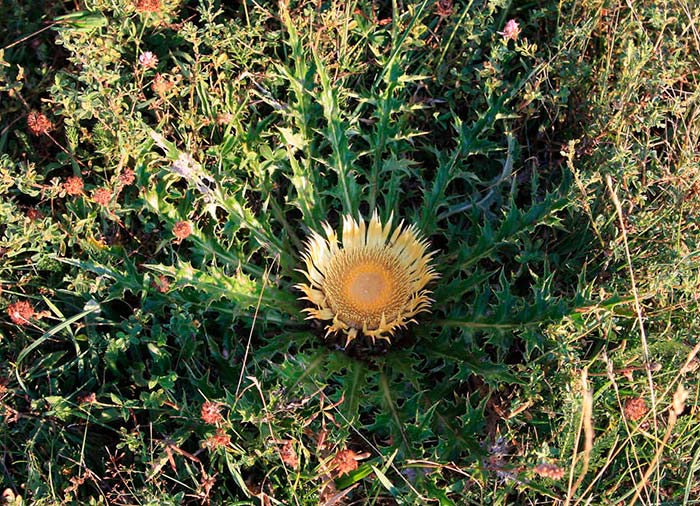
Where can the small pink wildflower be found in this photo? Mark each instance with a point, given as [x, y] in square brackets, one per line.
[211, 412]
[511, 31]
[218, 440]
[148, 6]
[127, 177]
[635, 408]
[89, 398]
[73, 186]
[102, 196]
[148, 60]
[182, 230]
[161, 283]
[20, 312]
[38, 123]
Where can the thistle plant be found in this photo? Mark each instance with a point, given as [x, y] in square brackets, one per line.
[253, 158]
[373, 282]
[313, 252]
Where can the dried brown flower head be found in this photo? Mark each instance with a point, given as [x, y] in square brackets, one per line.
[218, 440]
[161, 86]
[148, 5]
[38, 123]
[182, 230]
[162, 284]
[224, 118]
[127, 177]
[20, 312]
[89, 398]
[205, 485]
[102, 196]
[10, 415]
[345, 461]
[73, 186]
[635, 408]
[211, 412]
[679, 398]
[444, 8]
[34, 214]
[288, 454]
[552, 471]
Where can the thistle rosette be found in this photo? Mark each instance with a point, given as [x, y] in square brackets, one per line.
[373, 280]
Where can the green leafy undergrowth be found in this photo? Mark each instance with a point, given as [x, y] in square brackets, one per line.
[168, 359]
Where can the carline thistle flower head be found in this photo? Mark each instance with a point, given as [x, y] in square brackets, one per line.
[373, 280]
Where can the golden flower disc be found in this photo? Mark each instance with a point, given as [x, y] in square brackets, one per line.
[362, 286]
[368, 286]
[374, 282]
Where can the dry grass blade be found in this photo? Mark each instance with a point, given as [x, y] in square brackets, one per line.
[585, 425]
[675, 409]
[266, 277]
[635, 293]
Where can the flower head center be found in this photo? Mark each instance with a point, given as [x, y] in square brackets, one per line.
[369, 286]
[373, 281]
